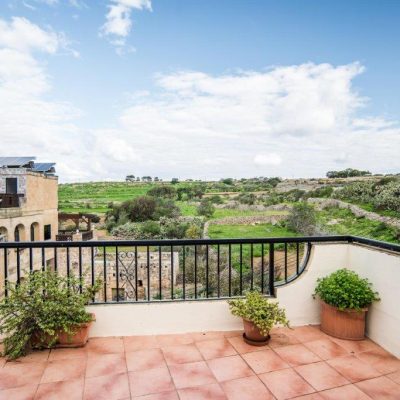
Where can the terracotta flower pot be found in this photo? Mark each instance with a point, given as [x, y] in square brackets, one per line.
[252, 334]
[348, 324]
[78, 339]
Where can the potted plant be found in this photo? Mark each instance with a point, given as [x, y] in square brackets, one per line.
[345, 298]
[259, 316]
[45, 310]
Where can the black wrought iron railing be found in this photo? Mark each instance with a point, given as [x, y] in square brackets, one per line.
[170, 270]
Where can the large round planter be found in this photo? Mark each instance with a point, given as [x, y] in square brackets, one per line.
[252, 334]
[78, 339]
[348, 324]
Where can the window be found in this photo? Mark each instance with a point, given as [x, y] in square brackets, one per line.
[32, 233]
[17, 236]
[121, 294]
[11, 185]
[47, 232]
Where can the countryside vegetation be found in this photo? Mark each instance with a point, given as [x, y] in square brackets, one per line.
[345, 202]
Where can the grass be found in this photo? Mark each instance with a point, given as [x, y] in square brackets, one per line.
[248, 231]
[347, 223]
[95, 197]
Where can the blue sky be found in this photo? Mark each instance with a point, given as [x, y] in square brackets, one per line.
[201, 89]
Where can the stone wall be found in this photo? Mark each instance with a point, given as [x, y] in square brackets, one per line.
[356, 210]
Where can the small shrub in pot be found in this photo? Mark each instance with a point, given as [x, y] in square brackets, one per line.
[259, 316]
[41, 308]
[345, 298]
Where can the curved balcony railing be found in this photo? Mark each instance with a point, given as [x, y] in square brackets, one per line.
[171, 270]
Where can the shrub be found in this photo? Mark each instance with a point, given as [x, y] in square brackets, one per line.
[163, 191]
[345, 289]
[246, 198]
[257, 309]
[150, 230]
[206, 208]
[388, 197]
[302, 219]
[216, 199]
[41, 305]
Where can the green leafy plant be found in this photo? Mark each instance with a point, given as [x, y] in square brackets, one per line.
[259, 310]
[39, 307]
[345, 289]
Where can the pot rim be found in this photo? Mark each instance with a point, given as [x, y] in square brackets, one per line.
[347, 310]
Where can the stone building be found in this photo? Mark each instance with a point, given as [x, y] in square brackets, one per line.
[132, 276]
[28, 209]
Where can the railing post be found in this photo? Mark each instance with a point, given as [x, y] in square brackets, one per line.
[271, 270]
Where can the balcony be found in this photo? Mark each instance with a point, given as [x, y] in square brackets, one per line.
[10, 200]
[163, 329]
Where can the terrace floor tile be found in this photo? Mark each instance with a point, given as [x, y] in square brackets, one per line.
[63, 390]
[105, 364]
[158, 396]
[134, 343]
[347, 392]
[205, 392]
[381, 388]
[105, 345]
[296, 354]
[191, 374]
[150, 381]
[242, 347]
[182, 354]
[215, 348]
[63, 370]
[307, 333]
[228, 368]
[326, 348]
[353, 368]
[286, 383]
[250, 388]
[381, 360]
[175, 339]
[144, 359]
[13, 375]
[67, 354]
[264, 361]
[321, 376]
[19, 393]
[301, 363]
[107, 387]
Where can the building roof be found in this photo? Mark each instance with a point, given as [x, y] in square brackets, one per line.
[16, 161]
[27, 162]
[43, 167]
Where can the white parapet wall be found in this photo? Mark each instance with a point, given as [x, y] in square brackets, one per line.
[383, 270]
[380, 267]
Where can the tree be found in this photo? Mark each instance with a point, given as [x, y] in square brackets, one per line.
[130, 178]
[347, 173]
[164, 191]
[227, 181]
[174, 181]
[206, 208]
[302, 219]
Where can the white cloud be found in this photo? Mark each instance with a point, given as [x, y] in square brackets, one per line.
[267, 159]
[22, 35]
[299, 120]
[119, 21]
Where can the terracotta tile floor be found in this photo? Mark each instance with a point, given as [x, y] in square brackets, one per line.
[302, 363]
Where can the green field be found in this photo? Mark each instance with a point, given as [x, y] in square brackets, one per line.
[95, 197]
[348, 224]
[248, 231]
